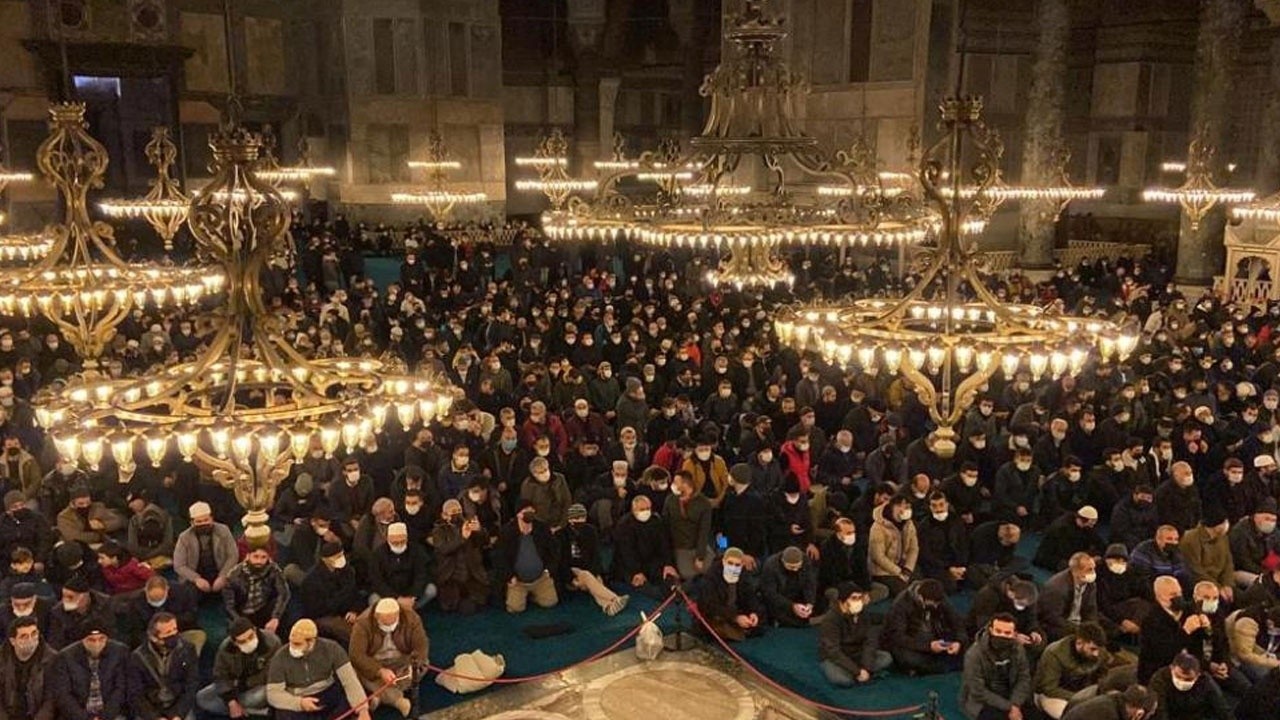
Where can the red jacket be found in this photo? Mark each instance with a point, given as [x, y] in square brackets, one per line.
[128, 577]
[796, 462]
[668, 456]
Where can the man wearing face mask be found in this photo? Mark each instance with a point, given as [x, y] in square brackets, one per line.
[709, 471]
[503, 464]
[24, 602]
[848, 642]
[389, 649]
[90, 677]
[401, 569]
[1134, 703]
[331, 593]
[580, 562]
[1070, 597]
[25, 662]
[1016, 487]
[80, 608]
[744, 517]
[688, 516]
[1133, 519]
[1017, 598]
[893, 548]
[1236, 492]
[1070, 668]
[997, 677]
[1208, 552]
[177, 599]
[1178, 500]
[923, 632]
[965, 495]
[372, 529]
[729, 599]
[643, 558]
[460, 541]
[164, 673]
[19, 469]
[55, 487]
[789, 588]
[353, 496]
[944, 544]
[87, 522]
[547, 492]
[239, 672]
[525, 561]
[1184, 692]
[312, 678]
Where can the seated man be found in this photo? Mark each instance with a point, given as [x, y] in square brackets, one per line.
[150, 535]
[239, 684]
[848, 643]
[313, 679]
[993, 550]
[1120, 594]
[400, 570]
[1167, 630]
[729, 600]
[256, 589]
[80, 609]
[461, 579]
[1208, 551]
[90, 678]
[892, 548]
[997, 677]
[642, 555]
[1135, 703]
[1070, 668]
[1255, 640]
[1070, 597]
[1016, 598]
[333, 594]
[24, 602]
[1070, 533]
[178, 600]
[789, 588]
[1183, 692]
[580, 566]
[87, 522]
[206, 552]
[389, 649]
[25, 667]
[944, 544]
[164, 674]
[525, 560]
[923, 632]
[844, 559]
[1251, 539]
[1160, 555]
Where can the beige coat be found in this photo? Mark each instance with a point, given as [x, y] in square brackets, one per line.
[1243, 633]
[892, 551]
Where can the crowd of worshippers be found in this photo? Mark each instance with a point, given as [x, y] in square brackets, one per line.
[617, 433]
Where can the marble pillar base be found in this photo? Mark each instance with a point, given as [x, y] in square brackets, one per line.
[692, 685]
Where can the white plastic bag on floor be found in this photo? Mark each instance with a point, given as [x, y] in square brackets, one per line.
[472, 665]
[649, 640]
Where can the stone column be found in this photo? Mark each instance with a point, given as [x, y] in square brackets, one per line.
[1267, 177]
[586, 28]
[690, 28]
[1043, 143]
[1200, 253]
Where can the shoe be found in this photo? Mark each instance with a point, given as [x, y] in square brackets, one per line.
[404, 706]
[618, 604]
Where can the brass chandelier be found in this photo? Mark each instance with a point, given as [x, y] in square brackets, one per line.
[751, 182]
[950, 334]
[250, 405]
[439, 200]
[551, 160]
[81, 284]
[1198, 194]
[165, 205]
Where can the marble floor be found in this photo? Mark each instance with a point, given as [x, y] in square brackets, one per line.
[694, 684]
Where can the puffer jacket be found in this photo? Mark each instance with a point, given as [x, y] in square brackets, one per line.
[892, 550]
[1244, 629]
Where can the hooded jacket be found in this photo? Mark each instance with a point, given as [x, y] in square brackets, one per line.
[992, 680]
[892, 550]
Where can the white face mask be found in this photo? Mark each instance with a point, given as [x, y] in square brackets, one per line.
[412, 509]
[849, 540]
[70, 605]
[766, 458]
[389, 628]
[1209, 607]
[979, 444]
[906, 515]
[353, 477]
[297, 652]
[703, 455]
[1091, 577]
[732, 573]
[619, 481]
[249, 646]
[398, 548]
[1118, 568]
[941, 516]
[26, 612]
[644, 515]
[1073, 476]
[854, 606]
[1183, 685]
[792, 498]
[969, 480]
[1023, 465]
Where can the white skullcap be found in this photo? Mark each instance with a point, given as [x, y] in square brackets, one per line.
[198, 510]
[386, 606]
[397, 528]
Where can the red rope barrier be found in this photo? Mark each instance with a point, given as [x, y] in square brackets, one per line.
[367, 699]
[693, 610]
[530, 678]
